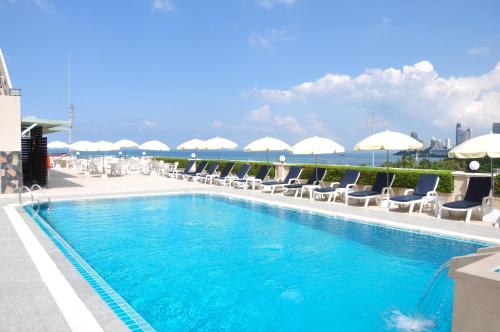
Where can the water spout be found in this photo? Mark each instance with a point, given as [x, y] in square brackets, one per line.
[433, 306]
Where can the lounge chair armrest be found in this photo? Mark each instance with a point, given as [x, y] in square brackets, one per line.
[352, 186]
[333, 184]
[293, 181]
[387, 190]
[432, 193]
[408, 191]
[487, 200]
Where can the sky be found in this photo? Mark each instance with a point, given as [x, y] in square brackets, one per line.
[242, 69]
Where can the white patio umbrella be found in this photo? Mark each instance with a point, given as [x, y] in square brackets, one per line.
[125, 144]
[58, 145]
[193, 144]
[267, 144]
[154, 145]
[388, 140]
[479, 147]
[83, 146]
[219, 143]
[317, 145]
[104, 146]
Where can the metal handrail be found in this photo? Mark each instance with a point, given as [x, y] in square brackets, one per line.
[20, 192]
[37, 186]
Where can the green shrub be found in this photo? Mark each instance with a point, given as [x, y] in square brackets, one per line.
[497, 185]
[237, 164]
[405, 178]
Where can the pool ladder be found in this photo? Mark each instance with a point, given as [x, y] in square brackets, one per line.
[37, 198]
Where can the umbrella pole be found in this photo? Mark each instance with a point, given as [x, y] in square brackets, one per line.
[492, 182]
[316, 169]
[387, 172]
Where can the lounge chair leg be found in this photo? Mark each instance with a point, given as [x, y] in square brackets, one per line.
[421, 206]
[346, 202]
[366, 201]
[468, 216]
[410, 211]
[440, 211]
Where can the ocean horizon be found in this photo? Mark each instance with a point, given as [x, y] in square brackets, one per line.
[347, 158]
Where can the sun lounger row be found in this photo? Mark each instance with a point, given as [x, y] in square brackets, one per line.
[424, 194]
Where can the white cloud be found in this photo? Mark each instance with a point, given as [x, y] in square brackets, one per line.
[260, 115]
[270, 4]
[479, 50]
[289, 123]
[415, 96]
[216, 124]
[44, 5]
[150, 123]
[268, 39]
[163, 5]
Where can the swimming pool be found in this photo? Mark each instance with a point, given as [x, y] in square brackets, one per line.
[213, 263]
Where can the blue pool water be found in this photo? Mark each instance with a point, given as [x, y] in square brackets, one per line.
[210, 263]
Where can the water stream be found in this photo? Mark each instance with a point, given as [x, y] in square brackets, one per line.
[433, 306]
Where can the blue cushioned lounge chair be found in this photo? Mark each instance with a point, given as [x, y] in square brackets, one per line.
[253, 181]
[187, 169]
[477, 196]
[199, 169]
[241, 175]
[381, 188]
[346, 185]
[424, 192]
[317, 176]
[292, 176]
[203, 175]
[226, 171]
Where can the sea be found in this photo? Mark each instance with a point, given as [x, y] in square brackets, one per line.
[347, 158]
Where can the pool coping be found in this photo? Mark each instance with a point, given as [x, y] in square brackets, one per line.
[312, 207]
[295, 204]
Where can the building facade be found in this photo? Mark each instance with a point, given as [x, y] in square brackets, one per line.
[11, 177]
[495, 127]
[461, 134]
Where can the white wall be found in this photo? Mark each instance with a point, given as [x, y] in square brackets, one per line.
[10, 123]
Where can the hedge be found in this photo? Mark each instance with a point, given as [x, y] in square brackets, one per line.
[405, 178]
[497, 185]
[237, 164]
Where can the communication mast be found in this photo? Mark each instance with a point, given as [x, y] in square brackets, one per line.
[71, 108]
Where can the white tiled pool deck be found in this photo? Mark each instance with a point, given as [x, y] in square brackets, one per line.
[27, 303]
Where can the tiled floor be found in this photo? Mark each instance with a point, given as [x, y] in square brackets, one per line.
[26, 304]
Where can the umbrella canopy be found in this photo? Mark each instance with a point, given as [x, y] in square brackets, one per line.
[57, 145]
[83, 146]
[389, 140]
[317, 145]
[103, 146]
[267, 144]
[478, 147]
[154, 146]
[219, 143]
[193, 144]
[126, 144]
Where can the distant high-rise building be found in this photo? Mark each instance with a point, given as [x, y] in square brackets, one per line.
[495, 128]
[461, 134]
[414, 135]
[448, 143]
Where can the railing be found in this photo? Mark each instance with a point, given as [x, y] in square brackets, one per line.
[44, 192]
[34, 198]
[22, 190]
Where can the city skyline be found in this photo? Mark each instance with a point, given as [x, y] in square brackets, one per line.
[174, 70]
